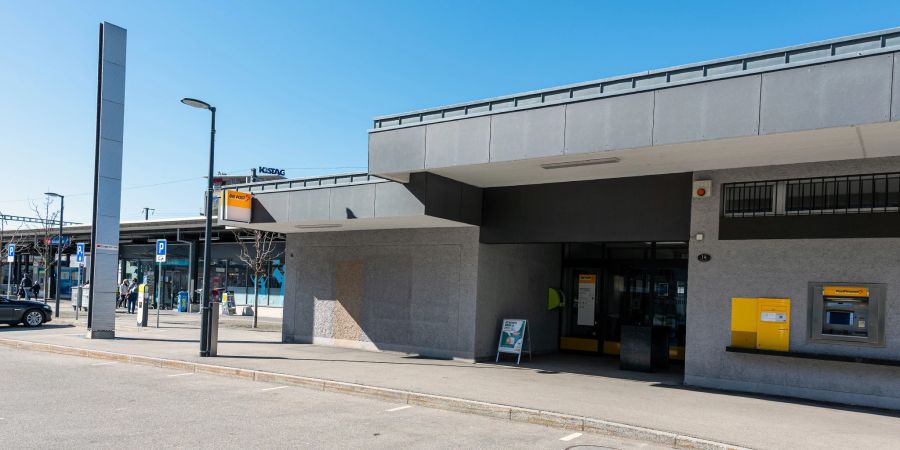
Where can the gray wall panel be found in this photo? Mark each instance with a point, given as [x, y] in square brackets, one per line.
[528, 134]
[112, 117]
[458, 142]
[275, 204]
[110, 157]
[623, 209]
[400, 150]
[114, 44]
[396, 200]
[828, 95]
[312, 204]
[512, 283]
[783, 268]
[351, 202]
[418, 285]
[713, 110]
[109, 199]
[895, 89]
[611, 123]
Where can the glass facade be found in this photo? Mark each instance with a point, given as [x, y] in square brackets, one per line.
[228, 272]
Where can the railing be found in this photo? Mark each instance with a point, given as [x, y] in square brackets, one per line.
[851, 194]
[305, 183]
[813, 53]
[38, 220]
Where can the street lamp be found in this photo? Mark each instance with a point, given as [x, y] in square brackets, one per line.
[205, 324]
[59, 247]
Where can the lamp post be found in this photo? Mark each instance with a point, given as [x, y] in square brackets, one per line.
[205, 324]
[59, 244]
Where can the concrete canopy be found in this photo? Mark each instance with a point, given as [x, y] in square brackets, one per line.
[815, 102]
[427, 201]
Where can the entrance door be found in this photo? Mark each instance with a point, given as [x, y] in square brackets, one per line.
[641, 284]
[580, 320]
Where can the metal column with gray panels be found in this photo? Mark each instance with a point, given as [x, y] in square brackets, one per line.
[107, 182]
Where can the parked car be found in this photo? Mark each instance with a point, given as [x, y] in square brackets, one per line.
[33, 314]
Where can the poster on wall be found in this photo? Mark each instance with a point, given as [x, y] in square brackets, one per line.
[587, 298]
[513, 338]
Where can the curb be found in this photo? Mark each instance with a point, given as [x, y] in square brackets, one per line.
[495, 410]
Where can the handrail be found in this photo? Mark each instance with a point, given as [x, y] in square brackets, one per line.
[307, 182]
[805, 54]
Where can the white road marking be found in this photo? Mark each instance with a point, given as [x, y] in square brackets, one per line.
[180, 374]
[570, 437]
[103, 364]
[399, 408]
[274, 388]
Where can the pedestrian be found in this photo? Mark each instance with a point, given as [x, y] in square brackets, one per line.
[132, 295]
[25, 287]
[36, 289]
[123, 293]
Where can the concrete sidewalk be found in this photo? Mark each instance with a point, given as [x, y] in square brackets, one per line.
[582, 386]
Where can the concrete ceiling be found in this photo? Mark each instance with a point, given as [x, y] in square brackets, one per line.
[422, 221]
[864, 141]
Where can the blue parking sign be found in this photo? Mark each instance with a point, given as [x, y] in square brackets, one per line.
[79, 252]
[11, 253]
[161, 250]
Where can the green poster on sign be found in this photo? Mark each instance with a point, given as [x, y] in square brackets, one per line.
[512, 338]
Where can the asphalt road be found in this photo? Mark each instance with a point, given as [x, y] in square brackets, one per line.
[59, 401]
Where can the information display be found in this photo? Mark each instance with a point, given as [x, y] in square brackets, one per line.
[587, 298]
[513, 337]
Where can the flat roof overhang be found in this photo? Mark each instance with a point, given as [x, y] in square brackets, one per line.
[426, 201]
[779, 107]
[831, 144]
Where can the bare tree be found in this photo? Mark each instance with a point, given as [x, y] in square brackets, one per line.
[7, 238]
[256, 253]
[44, 231]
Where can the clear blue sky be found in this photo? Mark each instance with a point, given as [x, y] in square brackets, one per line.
[297, 83]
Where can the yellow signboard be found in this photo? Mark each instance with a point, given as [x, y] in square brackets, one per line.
[236, 206]
[845, 291]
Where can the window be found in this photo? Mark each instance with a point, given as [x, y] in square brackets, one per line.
[850, 194]
[749, 198]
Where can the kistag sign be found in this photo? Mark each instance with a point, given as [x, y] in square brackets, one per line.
[271, 171]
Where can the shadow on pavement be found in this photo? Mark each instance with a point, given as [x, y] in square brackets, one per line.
[42, 327]
[787, 400]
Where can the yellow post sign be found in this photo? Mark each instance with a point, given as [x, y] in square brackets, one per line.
[236, 206]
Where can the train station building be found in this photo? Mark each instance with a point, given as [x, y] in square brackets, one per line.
[741, 215]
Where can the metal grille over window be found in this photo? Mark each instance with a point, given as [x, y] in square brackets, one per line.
[851, 194]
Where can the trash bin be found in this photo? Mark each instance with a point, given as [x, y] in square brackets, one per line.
[143, 305]
[182, 301]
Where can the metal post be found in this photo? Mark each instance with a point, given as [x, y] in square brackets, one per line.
[207, 249]
[59, 247]
[158, 292]
[78, 302]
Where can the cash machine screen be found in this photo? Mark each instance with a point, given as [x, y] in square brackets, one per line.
[839, 318]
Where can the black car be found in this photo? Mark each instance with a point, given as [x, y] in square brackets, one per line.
[33, 314]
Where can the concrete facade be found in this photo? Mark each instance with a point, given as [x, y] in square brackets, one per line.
[438, 292]
[399, 290]
[512, 284]
[846, 92]
[782, 268]
[486, 194]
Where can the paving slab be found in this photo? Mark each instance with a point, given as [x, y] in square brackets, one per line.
[557, 385]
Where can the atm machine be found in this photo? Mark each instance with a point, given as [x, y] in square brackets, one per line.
[847, 313]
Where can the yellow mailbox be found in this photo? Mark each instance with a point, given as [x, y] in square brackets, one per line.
[761, 323]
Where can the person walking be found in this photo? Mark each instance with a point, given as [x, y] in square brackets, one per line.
[25, 286]
[123, 293]
[36, 289]
[132, 295]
